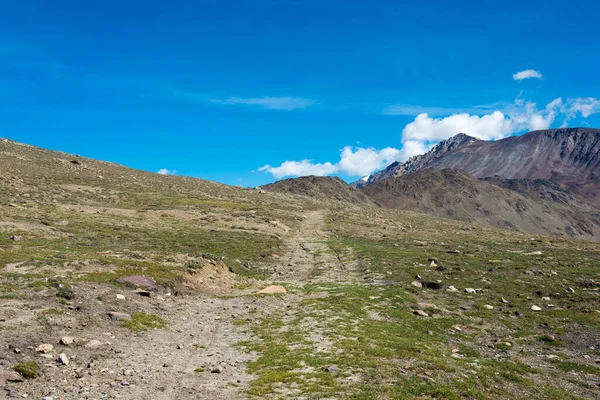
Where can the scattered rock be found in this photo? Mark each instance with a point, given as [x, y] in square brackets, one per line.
[16, 238]
[11, 376]
[427, 305]
[216, 370]
[273, 289]
[332, 368]
[416, 284]
[453, 252]
[452, 289]
[45, 348]
[118, 316]
[67, 340]
[503, 300]
[120, 297]
[489, 307]
[420, 313]
[533, 253]
[63, 359]
[471, 290]
[536, 308]
[432, 285]
[420, 243]
[94, 344]
[549, 338]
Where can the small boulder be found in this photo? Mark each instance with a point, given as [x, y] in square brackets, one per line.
[470, 290]
[118, 316]
[416, 284]
[45, 348]
[489, 307]
[332, 368]
[120, 297]
[452, 289]
[11, 376]
[94, 344]
[63, 359]
[67, 340]
[420, 313]
[432, 285]
[536, 308]
[273, 289]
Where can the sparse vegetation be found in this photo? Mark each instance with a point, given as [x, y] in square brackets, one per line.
[29, 369]
[140, 322]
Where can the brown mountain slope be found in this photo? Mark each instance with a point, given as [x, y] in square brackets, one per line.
[418, 162]
[567, 156]
[545, 209]
[319, 187]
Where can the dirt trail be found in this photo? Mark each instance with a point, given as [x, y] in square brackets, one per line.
[195, 357]
[309, 258]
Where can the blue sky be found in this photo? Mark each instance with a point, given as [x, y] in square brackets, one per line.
[231, 90]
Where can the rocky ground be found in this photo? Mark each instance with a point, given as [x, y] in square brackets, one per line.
[116, 283]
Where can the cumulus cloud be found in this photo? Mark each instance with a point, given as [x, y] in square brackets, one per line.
[527, 74]
[357, 161]
[425, 131]
[270, 103]
[164, 171]
[300, 168]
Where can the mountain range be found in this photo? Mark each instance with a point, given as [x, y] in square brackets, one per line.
[544, 182]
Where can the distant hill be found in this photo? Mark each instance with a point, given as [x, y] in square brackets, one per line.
[319, 187]
[529, 206]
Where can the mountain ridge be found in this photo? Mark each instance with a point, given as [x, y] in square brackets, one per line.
[567, 156]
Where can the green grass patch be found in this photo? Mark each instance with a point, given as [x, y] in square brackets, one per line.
[140, 322]
[29, 369]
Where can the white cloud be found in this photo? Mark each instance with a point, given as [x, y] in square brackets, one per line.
[584, 106]
[520, 116]
[527, 74]
[353, 162]
[300, 168]
[270, 103]
[363, 161]
[164, 171]
[425, 131]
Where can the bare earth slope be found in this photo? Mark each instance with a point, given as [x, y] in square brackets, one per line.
[543, 209]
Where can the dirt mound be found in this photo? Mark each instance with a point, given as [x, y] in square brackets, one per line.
[207, 276]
